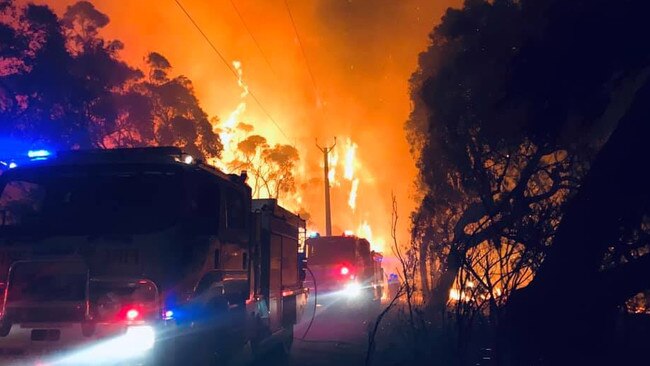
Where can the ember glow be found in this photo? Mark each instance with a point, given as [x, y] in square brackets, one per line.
[350, 165]
[333, 162]
[227, 130]
[235, 116]
[360, 53]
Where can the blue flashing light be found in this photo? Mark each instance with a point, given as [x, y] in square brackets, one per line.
[314, 235]
[38, 154]
[12, 165]
[168, 315]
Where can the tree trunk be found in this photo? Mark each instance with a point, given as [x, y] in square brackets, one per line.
[424, 273]
[440, 293]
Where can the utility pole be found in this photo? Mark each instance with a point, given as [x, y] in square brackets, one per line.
[328, 212]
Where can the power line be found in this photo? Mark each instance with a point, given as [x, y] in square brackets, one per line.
[259, 48]
[304, 55]
[214, 48]
[232, 70]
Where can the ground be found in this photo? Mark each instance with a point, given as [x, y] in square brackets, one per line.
[338, 335]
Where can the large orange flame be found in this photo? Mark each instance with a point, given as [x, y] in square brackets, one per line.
[361, 54]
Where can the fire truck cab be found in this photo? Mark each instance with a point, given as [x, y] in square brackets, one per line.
[132, 256]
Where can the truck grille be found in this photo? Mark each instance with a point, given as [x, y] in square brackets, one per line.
[11, 351]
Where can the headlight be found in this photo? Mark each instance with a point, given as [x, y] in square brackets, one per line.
[135, 342]
[139, 338]
[352, 289]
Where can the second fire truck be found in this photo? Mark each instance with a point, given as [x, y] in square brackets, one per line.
[345, 267]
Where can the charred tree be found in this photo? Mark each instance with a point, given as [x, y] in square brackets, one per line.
[566, 315]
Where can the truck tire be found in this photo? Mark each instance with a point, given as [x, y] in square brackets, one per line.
[202, 351]
[287, 342]
[280, 353]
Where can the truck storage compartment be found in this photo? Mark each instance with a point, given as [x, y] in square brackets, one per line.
[281, 235]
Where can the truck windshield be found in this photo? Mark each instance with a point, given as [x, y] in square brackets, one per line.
[112, 299]
[329, 252]
[89, 200]
[38, 282]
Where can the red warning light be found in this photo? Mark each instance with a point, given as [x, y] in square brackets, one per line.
[132, 314]
[345, 270]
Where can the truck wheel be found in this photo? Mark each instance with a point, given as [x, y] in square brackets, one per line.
[245, 356]
[287, 342]
[281, 352]
[206, 353]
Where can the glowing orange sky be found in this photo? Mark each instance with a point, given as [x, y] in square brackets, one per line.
[361, 54]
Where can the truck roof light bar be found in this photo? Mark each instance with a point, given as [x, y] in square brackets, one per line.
[155, 151]
[159, 154]
[38, 154]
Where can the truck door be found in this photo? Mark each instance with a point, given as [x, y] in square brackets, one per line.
[234, 253]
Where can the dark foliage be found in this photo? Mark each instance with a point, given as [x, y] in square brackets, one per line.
[63, 86]
[514, 102]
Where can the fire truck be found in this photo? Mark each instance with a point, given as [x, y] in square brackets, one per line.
[345, 267]
[142, 256]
